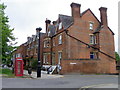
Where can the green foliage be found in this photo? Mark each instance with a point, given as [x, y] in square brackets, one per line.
[34, 64]
[6, 36]
[117, 56]
[7, 72]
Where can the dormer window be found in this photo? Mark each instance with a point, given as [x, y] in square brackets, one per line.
[91, 25]
[60, 25]
[48, 33]
[60, 39]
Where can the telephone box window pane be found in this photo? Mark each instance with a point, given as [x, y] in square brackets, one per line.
[19, 67]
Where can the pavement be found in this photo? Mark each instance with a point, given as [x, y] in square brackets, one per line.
[44, 75]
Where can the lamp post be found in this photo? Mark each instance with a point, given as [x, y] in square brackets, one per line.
[39, 62]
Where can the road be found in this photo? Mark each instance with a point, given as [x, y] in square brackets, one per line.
[68, 81]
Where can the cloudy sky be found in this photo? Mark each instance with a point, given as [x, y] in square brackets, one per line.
[26, 15]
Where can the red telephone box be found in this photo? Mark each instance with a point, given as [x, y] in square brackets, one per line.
[19, 66]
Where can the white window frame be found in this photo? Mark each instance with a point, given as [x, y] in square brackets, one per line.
[93, 39]
[53, 42]
[60, 25]
[44, 44]
[45, 61]
[18, 55]
[60, 39]
[59, 56]
[91, 25]
[49, 33]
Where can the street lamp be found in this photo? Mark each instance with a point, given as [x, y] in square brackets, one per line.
[39, 62]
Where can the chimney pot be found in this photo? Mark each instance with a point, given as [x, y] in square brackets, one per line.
[54, 22]
[47, 21]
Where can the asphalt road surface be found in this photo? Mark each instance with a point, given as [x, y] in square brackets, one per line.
[68, 81]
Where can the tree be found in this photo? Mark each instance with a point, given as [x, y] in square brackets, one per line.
[117, 56]
[6, 37]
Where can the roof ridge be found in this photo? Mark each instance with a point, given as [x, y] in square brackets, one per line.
[91, 12]
[64, 15]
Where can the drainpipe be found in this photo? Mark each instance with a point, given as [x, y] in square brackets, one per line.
[51, 49]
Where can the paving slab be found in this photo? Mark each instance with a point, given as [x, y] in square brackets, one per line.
[44, 75]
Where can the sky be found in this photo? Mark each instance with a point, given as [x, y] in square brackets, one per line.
[26, 15]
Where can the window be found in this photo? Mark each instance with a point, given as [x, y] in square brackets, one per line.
[93, 39]
[91, 26]
[93, 55]
[18, 55]
[60, 39]
[48, 33]
[53, 41]
[45, 44]
[45, 58]
[60, 25]
[59, 57]
[53, 58]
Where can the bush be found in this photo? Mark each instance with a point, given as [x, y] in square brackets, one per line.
[117, 56]
[34, 64]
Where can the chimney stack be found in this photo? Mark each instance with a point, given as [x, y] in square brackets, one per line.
[75, 9]
[47, 24]
[103, 16]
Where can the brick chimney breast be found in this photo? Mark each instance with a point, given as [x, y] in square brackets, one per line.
[75, 10]
[103, 16]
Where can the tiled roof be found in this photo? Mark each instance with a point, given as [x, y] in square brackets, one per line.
[66, 20]
[98, 29]
[52, 29]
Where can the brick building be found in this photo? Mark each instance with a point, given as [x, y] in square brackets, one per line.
[79, 43]
[28, 50]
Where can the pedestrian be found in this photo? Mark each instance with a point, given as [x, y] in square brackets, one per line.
[29, 71]
[58, 68]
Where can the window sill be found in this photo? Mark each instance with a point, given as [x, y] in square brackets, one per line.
[60, 44]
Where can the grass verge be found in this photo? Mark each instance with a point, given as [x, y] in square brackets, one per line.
[6, 73]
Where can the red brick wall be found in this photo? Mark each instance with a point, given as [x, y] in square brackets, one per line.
[87, 67]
